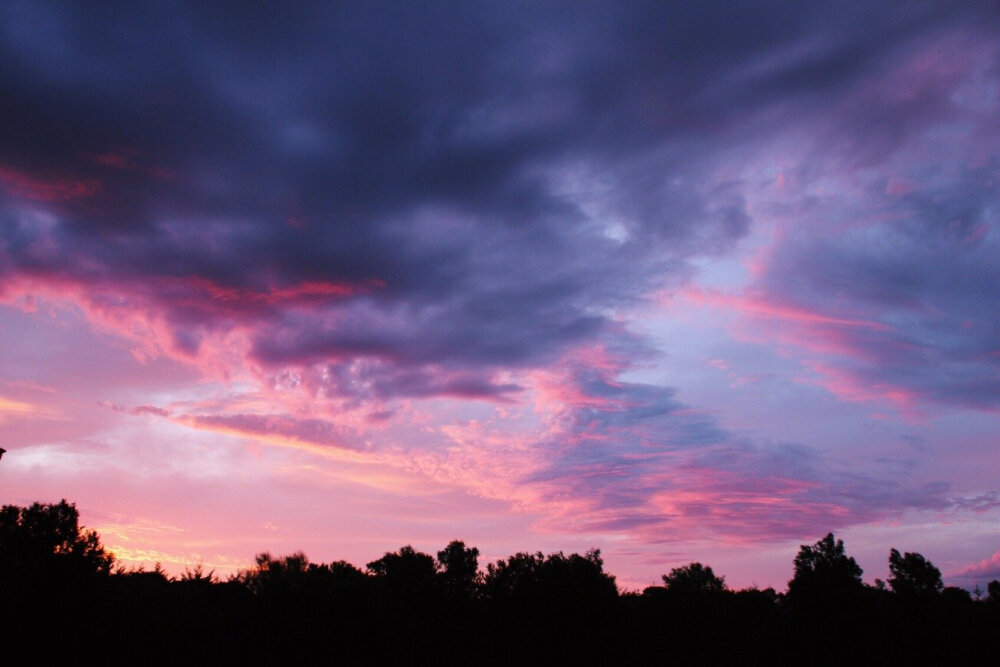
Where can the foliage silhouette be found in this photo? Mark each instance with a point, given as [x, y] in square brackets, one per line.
[824, 573]
[993, 592]
[406, 573]
[196, 575]
[459, 568]
[277, 575]
[693, 579]
[525, 608]
[532, 578]
[912, 574]
[46, 541]
[513, 578]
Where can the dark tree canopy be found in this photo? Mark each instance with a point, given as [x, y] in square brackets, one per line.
[405, 572]
[406, 563]
[912, 574]
[410, 606]
[823, 570]
[48, 539]
[513, 577]
[693, 579]
[993, 592]
[572, 579]
[459, 567]
[287, 573]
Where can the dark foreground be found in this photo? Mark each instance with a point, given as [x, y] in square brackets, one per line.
[62, 597]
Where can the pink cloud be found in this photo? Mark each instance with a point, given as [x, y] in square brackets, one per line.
[849, 386]
[194, 320]
[49, 190]
[985, 570]
[837, 349]
[138, 410]
[759, 306]
[127, 160]
[312, 434]
[202, 293]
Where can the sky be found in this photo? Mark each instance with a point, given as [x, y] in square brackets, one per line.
[678, 281]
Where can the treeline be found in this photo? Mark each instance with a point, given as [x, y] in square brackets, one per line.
[57, 581]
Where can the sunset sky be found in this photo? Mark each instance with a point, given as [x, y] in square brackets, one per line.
[679, 281]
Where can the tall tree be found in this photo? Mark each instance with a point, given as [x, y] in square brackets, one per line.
[823, 571]
[459, 567]
[912, 574]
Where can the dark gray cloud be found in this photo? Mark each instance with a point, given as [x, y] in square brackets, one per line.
[486, 182]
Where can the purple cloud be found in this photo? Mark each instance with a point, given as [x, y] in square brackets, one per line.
[630, 457]
[411, 196]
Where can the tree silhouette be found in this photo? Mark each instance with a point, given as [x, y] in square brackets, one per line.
[197, 575]
[571, 580]
[578, 579]
[459, 568]
[527, 608]
[912, 574]
[406, 573]
[343, 573]
[46, 540]
[823, 571]
[993, 592]
[694, 579]
[513, 578]
[277, 575]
